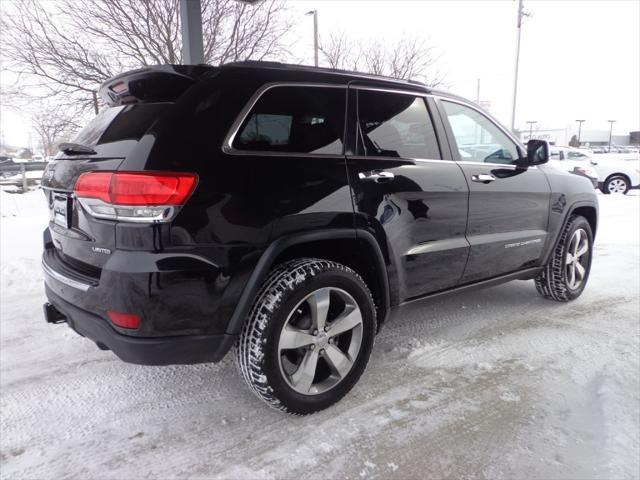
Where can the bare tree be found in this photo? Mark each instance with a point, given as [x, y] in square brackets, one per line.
[53, 125]
[408, 58]
[338, 51]
[71, 46]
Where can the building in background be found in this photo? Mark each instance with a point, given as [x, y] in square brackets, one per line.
[588, 138]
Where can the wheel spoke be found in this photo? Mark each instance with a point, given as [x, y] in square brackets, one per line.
[569, 260]
[576, 241]
[319, 305]
[572, 276]
[350, 319]
[302, 379]
[291, 338]
[583, 248]
[338, 360]
[580, 270]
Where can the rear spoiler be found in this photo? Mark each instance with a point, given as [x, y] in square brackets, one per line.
[161, 83]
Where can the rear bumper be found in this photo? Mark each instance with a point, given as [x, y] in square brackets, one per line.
[143, 351]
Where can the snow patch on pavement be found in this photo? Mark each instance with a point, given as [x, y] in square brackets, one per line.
[496, 383]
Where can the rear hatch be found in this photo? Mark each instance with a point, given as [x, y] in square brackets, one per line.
[136, 101]
[81, 240]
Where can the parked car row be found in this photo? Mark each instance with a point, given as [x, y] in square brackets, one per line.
[611, 174]
[615, 149]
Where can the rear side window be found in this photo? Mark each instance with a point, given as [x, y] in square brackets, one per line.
[395, 125]
[120, 123]
[293, 119]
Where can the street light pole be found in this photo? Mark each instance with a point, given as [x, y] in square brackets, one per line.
[531, 122]
[580, 122]
[191, 23]
[315, 35]
[611, 122]
[515, 75]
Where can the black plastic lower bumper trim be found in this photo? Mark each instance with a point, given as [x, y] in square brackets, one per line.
[186, 349]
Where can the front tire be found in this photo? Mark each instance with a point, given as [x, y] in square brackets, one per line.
[616, 184]
[565, 276]
[308, 337]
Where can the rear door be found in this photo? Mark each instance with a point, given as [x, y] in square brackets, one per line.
[508, 205]
[406, 189]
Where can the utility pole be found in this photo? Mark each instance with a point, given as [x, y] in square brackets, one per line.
[191, 23]
[478, 92]
[521, 13]
[580, 122]
[94, 94]
[611, 122]
[531, 122]
[315, 35]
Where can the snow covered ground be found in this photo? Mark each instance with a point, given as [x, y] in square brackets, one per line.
[492, 384]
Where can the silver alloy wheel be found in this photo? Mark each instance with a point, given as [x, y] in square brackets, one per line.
[320, 341]
[617, 185]
[577, 258]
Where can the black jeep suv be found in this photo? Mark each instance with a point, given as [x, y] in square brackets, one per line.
[289, 211]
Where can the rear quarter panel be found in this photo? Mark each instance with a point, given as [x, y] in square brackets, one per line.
[242, 202]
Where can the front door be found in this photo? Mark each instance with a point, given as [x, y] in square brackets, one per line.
[508, 205]
[404, 192]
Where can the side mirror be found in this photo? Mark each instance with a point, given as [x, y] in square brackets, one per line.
[537, 152]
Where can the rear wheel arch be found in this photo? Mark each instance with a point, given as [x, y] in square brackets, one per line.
[359, 252]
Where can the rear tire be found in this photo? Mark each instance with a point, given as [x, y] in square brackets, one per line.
[565, 276]
[308, 337]
[616, 184]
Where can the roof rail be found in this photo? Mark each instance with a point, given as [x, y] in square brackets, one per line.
[335, 71]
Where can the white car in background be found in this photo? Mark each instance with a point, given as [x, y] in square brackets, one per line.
[615, 174]
[573, 161]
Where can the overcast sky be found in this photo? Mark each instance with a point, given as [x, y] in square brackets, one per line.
[579, 59]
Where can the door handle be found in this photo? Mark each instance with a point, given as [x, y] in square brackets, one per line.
[377, 176]
[483, 178]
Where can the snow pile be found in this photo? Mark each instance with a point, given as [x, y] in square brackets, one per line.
[23, 205]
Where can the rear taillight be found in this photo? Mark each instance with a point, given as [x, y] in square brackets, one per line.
[134, 196]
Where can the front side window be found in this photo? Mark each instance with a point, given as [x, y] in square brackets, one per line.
[478, 139]
[395, 125]
[292, 119]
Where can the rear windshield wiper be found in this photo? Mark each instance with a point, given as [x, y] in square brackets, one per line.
[76, 149]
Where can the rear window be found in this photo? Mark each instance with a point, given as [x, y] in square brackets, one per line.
[120, 123]
[295, 120]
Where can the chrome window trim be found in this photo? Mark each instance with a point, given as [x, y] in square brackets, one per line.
[416, 93]
[64, 279]
[408, 159]
[227, 145]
